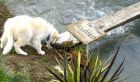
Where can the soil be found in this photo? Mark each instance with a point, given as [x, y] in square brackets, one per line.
[33, 65]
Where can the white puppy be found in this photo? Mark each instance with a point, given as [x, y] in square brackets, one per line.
[25, 30]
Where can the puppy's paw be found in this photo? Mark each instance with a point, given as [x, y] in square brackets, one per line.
[24, 53]
[42, 53]
[49, 47]
[1, 46]
[5, 51]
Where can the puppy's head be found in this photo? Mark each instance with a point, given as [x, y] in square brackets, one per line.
[53, 34]
[54, 37]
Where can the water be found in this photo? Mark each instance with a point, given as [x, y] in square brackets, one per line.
[63, 12]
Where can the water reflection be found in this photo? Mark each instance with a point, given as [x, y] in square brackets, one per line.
[130, 48]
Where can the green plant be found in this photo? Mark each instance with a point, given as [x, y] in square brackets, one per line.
[45, 59]
[93, 71]
[19, 78]
[4, 77]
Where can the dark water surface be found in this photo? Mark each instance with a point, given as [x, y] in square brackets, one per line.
[63, 12]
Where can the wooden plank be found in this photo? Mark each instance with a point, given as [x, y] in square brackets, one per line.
[119, 18]
[85, 31]
[88, 31]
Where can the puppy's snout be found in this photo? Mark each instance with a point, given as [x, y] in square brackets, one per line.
[55, 40]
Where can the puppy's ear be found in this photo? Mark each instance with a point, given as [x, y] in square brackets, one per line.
[55, 34]
[48, 37]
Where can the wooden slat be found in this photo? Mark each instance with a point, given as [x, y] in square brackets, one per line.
[85, 31]
[119, 18]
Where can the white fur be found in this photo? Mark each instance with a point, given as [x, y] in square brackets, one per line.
[25, 30]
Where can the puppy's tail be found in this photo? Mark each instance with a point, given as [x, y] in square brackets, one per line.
[9, 44]
[3, 40]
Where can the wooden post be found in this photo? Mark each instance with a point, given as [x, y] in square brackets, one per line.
[88, 31]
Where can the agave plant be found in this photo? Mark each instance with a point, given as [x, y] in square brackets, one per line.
[93, 71]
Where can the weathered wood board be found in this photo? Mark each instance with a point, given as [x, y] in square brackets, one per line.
[119, 18]
[87, 31]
